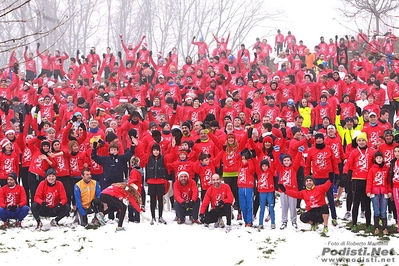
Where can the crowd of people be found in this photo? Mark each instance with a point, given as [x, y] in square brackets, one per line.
[225, 133]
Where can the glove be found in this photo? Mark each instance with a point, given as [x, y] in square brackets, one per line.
[38, 45]
[83, 57]
[170, 54]
[202, 218]
[226, 67]
[40, 90]
[276, 148]
[174, 105]
[220, 204]
[331, 177]
[44, 205]
[249, 132]
[191, 204]
[102, 142]
[56, 108]
[59, 206]
[40, 137]
[98, 112]
[336, 37]
[150, 53]
[77, 52]
[87, 60]
[284, 132]
[130, 80]
[104, 55]
[256, 55]
[83, 126]
[358, 111]
[282, 188]
[51, 90]
[119, 54]
[147, 103]
[338, 110]
[12, 208]
[346, 37]
[193, 38]
[198, 141]
[6, 108]
[95, 144]
[138, 55]
[301, 148]
[26, 48]
[74, 118]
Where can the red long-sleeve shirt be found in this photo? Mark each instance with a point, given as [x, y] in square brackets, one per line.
[12, 196]
[185, 193]
[377, 180]
[314, 197]
[321, 161]
[213, 195]
[52, 195]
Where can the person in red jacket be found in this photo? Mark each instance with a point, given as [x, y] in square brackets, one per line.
[357, 168]
[50, 200]
[114, 195]
[378, 190]
[314, 197]
[246, 183]
[221, 198]
[187, 201]
[9, 161]
[12, 201]
[323, 165]
[136, 181]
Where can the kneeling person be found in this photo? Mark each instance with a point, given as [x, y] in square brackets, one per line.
[12, 201]
[220, 197]
[187, 202]
[314, 197]
[50, 200]
[87, 194]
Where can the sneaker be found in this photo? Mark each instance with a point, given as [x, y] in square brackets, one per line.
[313, 227]
[54, 223]
[239, 216]
[389, 215]
[362, 215]
[376, 231]
[325, 229]
[176, 219]
[385, 231]
[39, 225]
[369, 229]
[179, 221]
[152, 221]
[248, 225]
[19, 224]
[119, 229]
[267, 218]
[347, 216]
[5, 225]
[228, 228]
[196, 221]
[295, 225]
[334, 222]
[354, 229]
[283, 226]
[219, 223]
[142, 208]
[100, 218]
[261, 227]
[95, 221]
[273, 226]
[161, 220]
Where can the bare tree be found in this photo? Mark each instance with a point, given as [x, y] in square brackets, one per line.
[370, 11]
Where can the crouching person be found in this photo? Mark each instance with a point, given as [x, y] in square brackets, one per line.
[12, 202]
[50, 200]
[314, 197]
[221, 198]
[87, 195]
[136, 181]
[187, 202]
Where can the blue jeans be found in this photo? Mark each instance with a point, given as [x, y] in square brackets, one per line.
[269, 198]
[380, 204]
[330, 196]
[245, 196]
[19, 213]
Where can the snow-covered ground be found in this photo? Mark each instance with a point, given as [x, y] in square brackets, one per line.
[174, 244]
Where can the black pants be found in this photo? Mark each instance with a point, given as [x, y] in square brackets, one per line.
[360, 196]
[115, 203]
[156, 191]
[181, 212]
[107, 71]
[23, 174]
[59, 213]
[57, 73]
[96, 206]
[279, 48]
[33, 181]
[214, 215]
[45, 71]
[67, 182]
[133, 214]
[30, 75]
[300, 175]
[314, 215]
[232, 182]
[73, 181]
[347, 183]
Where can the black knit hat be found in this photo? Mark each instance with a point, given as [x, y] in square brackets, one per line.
[264, 162]
[51, 171]
[13, 175]
[110, 137]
